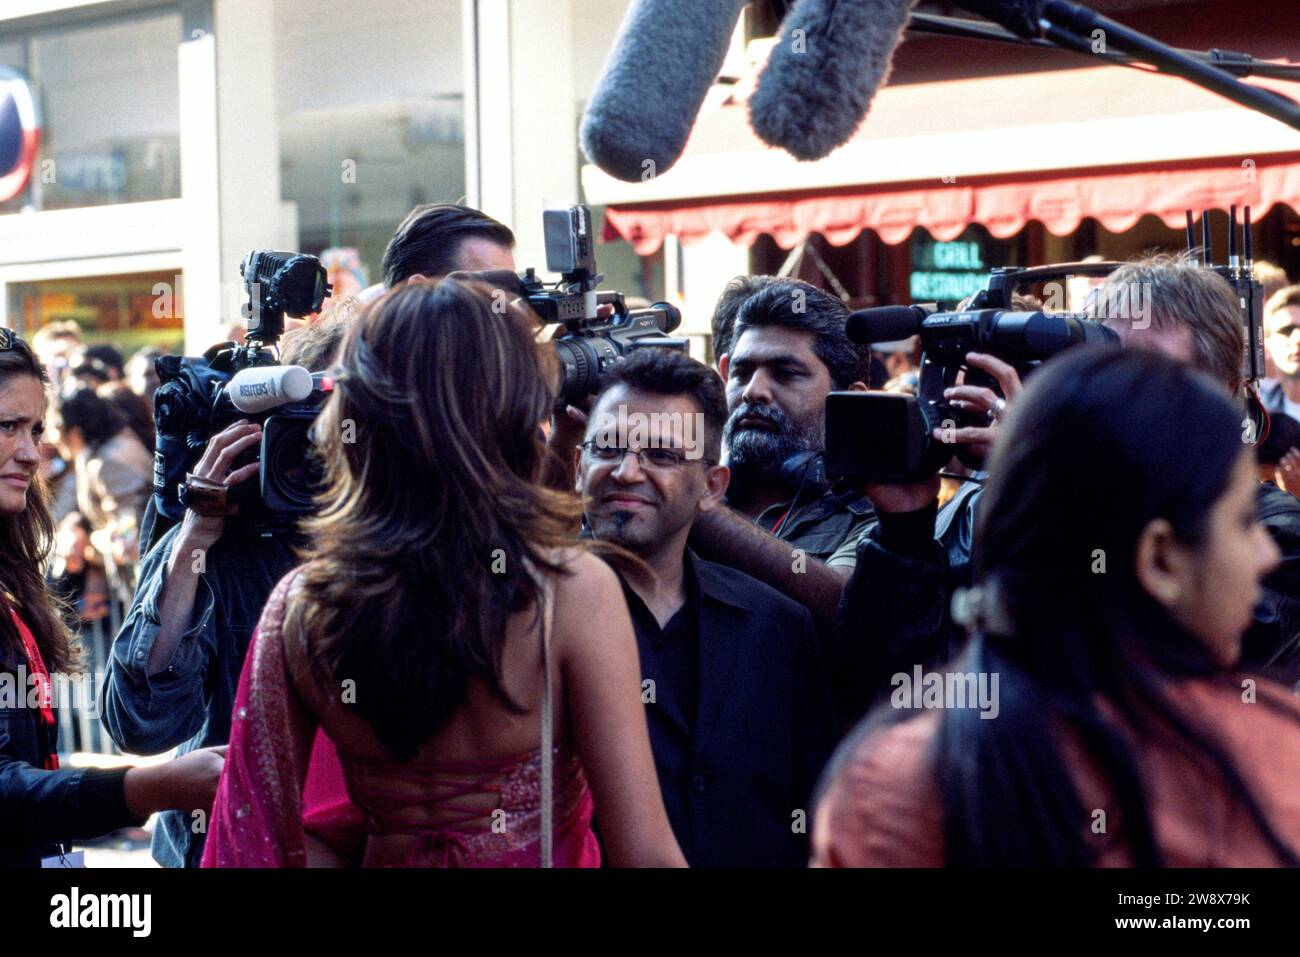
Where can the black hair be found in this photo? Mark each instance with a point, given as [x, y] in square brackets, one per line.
[794, 304]
[97, 417]
[93, 368]
[669, 372]
[1101, 443]
[428, 241]
[724, 312]
[109, 355]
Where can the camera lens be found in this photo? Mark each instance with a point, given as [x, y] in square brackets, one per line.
[294, 467]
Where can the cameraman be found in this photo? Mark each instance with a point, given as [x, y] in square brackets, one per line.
[896, 612]
[437, 239]
[175, 664]
[786, 352]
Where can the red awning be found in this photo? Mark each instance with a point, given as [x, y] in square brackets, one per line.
[1116, 198]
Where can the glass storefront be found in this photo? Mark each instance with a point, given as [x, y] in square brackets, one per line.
[371, 115]
[128, 311]
[108, 95]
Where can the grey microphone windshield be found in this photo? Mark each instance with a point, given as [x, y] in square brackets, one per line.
[666, 56]
[831, 58]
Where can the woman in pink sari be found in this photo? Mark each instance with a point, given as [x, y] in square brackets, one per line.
[474, 666]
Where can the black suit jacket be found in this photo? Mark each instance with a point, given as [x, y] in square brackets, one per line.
[737, 785]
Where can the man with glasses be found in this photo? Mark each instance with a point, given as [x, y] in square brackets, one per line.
[736, 699]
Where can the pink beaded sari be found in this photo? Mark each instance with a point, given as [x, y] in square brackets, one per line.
[257, 819]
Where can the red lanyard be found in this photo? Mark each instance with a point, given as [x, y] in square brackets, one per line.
[41, 678]
[781, 519]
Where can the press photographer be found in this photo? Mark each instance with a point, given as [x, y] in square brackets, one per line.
[786, 524]
[175, 664]
[897, 609]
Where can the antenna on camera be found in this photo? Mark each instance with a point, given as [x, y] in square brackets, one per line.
[1234, 263]
[1206, 258]
[1191, 234]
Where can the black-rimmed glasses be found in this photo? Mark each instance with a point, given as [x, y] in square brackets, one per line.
[653, 458]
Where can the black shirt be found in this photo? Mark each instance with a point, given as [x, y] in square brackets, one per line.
[739, 721]
[676, 646]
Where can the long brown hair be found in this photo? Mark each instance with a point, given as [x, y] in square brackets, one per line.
[25, 543]
[434, 524]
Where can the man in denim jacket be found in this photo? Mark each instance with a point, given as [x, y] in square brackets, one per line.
[175, 664]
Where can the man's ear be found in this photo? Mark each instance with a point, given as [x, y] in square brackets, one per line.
[1162, 564]
[724, 362]
[418, 277]
[716, 481]
[858, 386]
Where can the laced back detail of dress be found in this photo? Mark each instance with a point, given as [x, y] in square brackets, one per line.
[475, 812]
[464, 812]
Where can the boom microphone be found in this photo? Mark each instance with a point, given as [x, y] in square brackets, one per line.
[821, 76]
[884, 324]
[259, 388]
[667, 55]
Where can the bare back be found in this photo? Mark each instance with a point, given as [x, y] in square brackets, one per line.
[599, 722]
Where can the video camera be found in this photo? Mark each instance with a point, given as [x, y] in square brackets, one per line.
[590, 343]
[199, 397]
[879, 437]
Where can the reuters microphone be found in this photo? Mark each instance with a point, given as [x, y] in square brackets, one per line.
[265, 387]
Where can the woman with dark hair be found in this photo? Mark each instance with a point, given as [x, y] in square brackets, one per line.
[444, 608]
[42, 806]
[1118, 560]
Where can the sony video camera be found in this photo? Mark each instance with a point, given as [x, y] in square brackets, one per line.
[589, 344]
[199, 397]
[879, 437]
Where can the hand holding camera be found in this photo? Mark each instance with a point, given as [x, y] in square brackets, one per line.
[218, 464]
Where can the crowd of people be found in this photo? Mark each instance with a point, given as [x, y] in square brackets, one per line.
[646, 630]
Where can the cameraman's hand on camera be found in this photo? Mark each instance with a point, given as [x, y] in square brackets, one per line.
[217, 464]
[980, 399]
[568, 428]
[198, 533]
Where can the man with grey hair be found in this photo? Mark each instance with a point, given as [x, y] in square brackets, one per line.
[897, 607]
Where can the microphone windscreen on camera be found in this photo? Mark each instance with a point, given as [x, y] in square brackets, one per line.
[264, 387]
[666, 56]
[884, 324]
[830, 59]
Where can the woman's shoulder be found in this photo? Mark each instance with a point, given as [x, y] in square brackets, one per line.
[577, 576]
[881, 805]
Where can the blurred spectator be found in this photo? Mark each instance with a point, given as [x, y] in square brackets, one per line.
[110, 357]
[1281, 393]
[141, 376]
[904, 384]
[54, 344]
[899, 357]
[136, 410]
[114, 472]
[90, 373]
[1271, 277]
